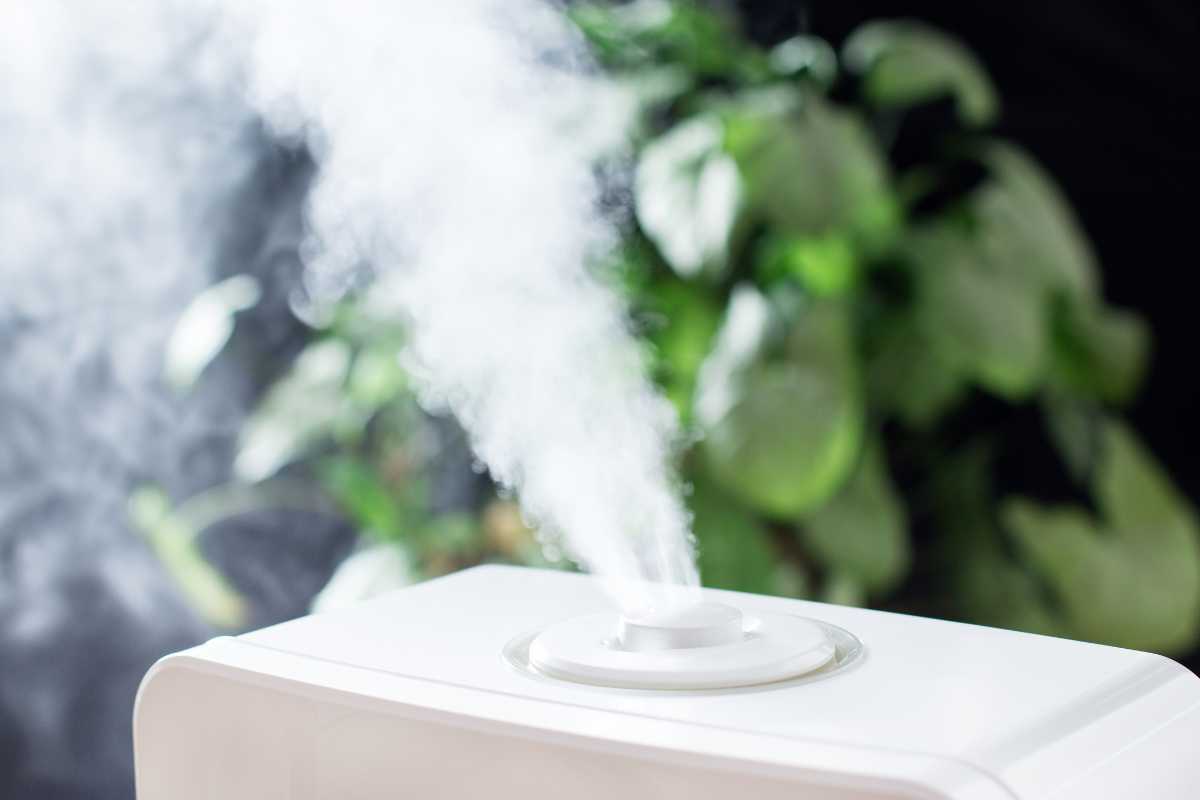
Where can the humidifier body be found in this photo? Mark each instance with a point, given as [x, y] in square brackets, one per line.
[417, 694]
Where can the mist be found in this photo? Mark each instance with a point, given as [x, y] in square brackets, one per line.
[454, 147]
[436, 157]
[455, 153]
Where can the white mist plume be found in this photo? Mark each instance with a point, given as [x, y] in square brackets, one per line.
[126, 139]
[447, 162]
[454, 143]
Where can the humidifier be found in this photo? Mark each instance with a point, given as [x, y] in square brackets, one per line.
[502, 682]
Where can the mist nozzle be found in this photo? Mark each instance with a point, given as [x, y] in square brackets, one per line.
[699, 625]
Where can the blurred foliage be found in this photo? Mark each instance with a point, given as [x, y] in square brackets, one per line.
[842, 275]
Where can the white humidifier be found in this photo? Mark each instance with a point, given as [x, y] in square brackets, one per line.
[501, 682]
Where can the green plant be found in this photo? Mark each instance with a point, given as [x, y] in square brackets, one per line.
[827, 309]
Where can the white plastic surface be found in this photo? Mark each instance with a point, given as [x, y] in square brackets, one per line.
[699, 625]
[716, 648]
[320, 707]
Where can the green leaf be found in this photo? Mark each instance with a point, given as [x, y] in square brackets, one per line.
[734, 549]
[177, 546]
[304, 405]
[687, 194]
[1138, 499]
[983, 317]
[363, 495]
[781, 434]
[997, 592]
[621, 35]
[204, 328]
[1076, 429]
[1099, 352]
[908, 377]
[809, 168]
[989, 586]
[1026, 225]
[644, 95]
[690, 318]
[988, 287]
[862, 532]
[377, 378]
[791, 581]
[825, 265]
[807, 56]
[842, 589]
[1131, 577]
[904, 63]
[702, 40]
[453, 534]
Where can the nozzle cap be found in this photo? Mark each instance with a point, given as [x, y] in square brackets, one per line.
[700, 625]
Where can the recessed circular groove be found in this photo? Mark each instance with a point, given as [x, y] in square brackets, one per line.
[774, 650]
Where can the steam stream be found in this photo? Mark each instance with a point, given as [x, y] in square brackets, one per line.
[454, 150]
[441, 131]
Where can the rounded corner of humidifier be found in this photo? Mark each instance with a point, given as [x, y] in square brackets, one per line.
[160, 685]
[160, 724]
[201, 708]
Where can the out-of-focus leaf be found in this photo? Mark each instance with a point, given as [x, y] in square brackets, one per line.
[843, 589]
[988, 585]
[622, 34]
[983, 318]
[1144, 508]
[987, 291]
[781, 434]
[687, 195]
[376, 378]
[452, 535]
[861, 531]
[1100, 352]
[994, 591]
[638, 98]
[696, 37]
[810, 169]
[904, 63]
[807, 56]
[791, 581]
[690, 317]
[1026, 226]
[299, 408]
[177, 547]
[909, 378]
[824, 265]
[224, 501]
[363, 495]
[204, 328]
[1076, 429]
[734, 547]
[366, 574]
[1131, 577]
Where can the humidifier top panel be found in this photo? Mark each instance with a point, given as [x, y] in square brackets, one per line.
[982, 695]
